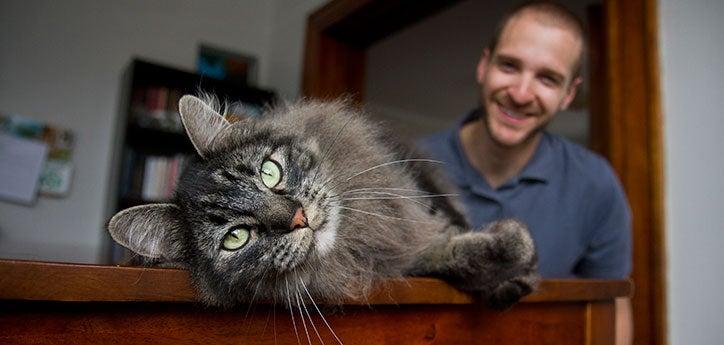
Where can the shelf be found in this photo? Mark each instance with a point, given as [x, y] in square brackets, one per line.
[130, 201]
[152, 141]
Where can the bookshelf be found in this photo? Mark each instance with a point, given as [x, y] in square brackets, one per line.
[153, 145]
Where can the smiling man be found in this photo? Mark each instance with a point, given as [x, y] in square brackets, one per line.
[506, 165]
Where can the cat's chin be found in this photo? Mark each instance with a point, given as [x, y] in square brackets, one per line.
[294, 250]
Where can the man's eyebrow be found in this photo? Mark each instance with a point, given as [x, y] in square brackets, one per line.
[545, 71]
[503, 57]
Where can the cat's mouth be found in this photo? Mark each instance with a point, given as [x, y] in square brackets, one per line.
[293, 249]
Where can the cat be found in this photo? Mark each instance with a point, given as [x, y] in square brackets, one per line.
[314, 197]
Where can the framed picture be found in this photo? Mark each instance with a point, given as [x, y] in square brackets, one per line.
[223, 64]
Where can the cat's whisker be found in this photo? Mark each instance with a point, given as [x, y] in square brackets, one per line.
[327, 181]
[253, 298]
[274, 321]
[335, 176]
[395, 162]
[291, 311]
[379, 190]
[300, 297]
[375, 189]
[251, 301]
[398, 196]
[393, 196]
[301, 316]
[384, 165]
[266, 323]
[381, 215]
[387, 198]
[348, 217]
[329, 148]
[319, 311]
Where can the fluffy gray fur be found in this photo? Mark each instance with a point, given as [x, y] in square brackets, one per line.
[373, 211]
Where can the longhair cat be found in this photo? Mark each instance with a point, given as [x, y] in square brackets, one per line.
[314, 197]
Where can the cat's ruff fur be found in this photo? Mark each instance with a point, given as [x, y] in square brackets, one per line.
[374, 212]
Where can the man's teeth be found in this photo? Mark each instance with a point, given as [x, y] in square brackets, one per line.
[513, 114]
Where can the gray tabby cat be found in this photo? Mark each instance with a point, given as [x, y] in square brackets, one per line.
[313, 197]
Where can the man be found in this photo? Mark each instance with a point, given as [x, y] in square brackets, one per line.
[506, 165]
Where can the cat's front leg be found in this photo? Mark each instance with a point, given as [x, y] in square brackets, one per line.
[500, 262]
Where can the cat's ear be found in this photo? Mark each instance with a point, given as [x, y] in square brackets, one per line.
[152, 230]
[203, 124]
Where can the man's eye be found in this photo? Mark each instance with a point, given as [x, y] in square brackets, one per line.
[549, 81]
[506, 66]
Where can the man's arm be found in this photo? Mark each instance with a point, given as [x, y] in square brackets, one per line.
[607, 226]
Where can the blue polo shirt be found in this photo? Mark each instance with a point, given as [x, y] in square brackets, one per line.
[568, 196]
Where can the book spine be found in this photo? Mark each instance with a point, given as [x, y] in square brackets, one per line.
[126, 178]
[162, 178]
[139, 167]
[147, 192]
[172, 177]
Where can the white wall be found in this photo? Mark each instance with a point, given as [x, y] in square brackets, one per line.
[61, 62]
[692, 60]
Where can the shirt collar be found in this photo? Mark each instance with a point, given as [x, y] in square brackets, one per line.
[539, 169]
[541, 166]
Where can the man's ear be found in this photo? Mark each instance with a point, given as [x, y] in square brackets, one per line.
[482, 66]
[571, 93]
[152, 230]
[203, 124]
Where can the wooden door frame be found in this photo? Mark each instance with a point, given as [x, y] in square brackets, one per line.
[628, 133]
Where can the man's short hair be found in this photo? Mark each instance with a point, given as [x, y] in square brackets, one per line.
[550, 13]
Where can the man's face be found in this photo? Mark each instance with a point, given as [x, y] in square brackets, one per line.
[527, 79]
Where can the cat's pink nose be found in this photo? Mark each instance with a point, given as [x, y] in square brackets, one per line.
[299, 220]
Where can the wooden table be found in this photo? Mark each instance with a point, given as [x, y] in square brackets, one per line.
[68, 303]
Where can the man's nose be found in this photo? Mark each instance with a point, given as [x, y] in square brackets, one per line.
[521, 92]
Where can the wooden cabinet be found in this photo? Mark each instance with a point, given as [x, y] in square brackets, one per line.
[47, 303]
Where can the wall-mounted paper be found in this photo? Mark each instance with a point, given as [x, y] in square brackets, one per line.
[21, 161]
[58, 169]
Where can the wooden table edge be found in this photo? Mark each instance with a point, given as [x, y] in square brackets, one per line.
[49, 281]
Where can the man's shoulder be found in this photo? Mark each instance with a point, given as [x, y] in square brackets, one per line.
[439, 144]
[582, 163]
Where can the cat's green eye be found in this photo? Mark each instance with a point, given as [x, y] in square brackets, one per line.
[236, 238]
[271, 173]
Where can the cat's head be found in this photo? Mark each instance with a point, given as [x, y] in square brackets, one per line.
[249, 211]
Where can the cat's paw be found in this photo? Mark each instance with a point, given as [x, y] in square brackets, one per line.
[500, 263]
[511, 248]
[510, 291]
